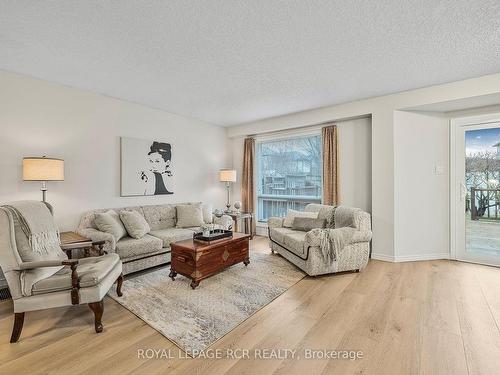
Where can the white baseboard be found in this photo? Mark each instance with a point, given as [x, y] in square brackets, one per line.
[385, 258]
[410, 258]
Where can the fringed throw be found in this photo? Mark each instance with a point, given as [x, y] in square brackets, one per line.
[332, 241]
[37, 224]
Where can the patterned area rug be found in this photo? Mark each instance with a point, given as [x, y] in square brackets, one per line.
[195, 319]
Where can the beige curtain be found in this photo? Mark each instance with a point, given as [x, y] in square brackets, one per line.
[330, 165]
[247, 185]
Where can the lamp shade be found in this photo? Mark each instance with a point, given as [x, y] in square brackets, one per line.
[43, 169]
[227, 175]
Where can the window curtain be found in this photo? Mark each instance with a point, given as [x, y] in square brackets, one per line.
[247, 186]
[330, 165]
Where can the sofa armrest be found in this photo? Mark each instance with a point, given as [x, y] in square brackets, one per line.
[96, 235]
[275, 222]
[362, 236]
[313, 237]
[47, 263]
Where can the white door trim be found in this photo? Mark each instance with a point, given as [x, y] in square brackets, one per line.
[456, 125]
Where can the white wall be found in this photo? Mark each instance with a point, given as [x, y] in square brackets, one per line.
[421, 179]
[355, 163]
[83, 128]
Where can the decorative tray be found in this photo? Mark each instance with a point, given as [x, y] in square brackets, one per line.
[216, 234]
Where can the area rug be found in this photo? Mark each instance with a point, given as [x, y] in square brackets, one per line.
[195, 319]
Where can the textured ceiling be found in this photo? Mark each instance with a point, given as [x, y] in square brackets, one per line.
[228, 62]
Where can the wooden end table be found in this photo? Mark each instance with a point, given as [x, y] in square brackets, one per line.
[198, 260]
[247, 217]
[73, 241]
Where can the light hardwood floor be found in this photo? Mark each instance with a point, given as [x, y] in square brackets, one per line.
[435, 317]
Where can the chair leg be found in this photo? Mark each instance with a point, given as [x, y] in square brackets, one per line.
[119, 283]
[18, 327]
[98, 309]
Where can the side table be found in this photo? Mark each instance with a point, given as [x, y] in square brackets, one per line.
[73, 241]
[246, 217]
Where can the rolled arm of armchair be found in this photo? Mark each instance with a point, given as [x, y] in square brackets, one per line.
[96, 235]
[275, 222]
[47, 263]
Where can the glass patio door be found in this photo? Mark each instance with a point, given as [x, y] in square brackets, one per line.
[477, 192]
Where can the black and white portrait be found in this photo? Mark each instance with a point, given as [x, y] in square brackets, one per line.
[146, 167]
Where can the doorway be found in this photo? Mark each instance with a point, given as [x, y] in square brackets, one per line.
[475, 198]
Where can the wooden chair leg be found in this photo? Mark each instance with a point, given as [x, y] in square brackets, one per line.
[119, 283]
[98, 309]
[18, 327]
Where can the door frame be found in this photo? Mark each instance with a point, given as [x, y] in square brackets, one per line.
[456, 125]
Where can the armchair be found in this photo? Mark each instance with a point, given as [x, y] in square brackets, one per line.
[60, 282]
[306, 249]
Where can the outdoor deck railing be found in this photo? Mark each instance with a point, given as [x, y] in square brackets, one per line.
[272, 205]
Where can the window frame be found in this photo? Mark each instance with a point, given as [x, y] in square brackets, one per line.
[281, 136]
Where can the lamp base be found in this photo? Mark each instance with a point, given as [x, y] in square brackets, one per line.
[44, 191]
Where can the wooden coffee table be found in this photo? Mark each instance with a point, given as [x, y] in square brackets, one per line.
[198, 260]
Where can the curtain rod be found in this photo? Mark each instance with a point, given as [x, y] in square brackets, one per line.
[306, 127]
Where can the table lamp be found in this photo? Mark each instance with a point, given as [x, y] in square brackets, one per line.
[43, 169]
[227, 176]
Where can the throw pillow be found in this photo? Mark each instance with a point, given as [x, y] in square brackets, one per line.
[292, 214]
[135, 223]
[189, 215]
[110, 222]
[305, 224]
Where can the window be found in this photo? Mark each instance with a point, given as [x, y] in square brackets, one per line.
[288, 175]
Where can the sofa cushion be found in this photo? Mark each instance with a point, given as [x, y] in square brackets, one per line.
[324, 212]
[91, 272]
[292, 214]
[160, 216]
[277, 234]
[189, 215]
[135, 223]
[167, 236]
[129, 247]
[294, 242]
[305, 224]
[109, 222]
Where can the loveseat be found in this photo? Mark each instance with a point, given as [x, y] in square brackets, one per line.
[153, 248]
[304, 248]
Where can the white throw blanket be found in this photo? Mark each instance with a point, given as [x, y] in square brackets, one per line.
[334, 240]
[37, 224]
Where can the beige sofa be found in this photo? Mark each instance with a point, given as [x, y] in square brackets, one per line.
[304, 249]
[154, 248]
